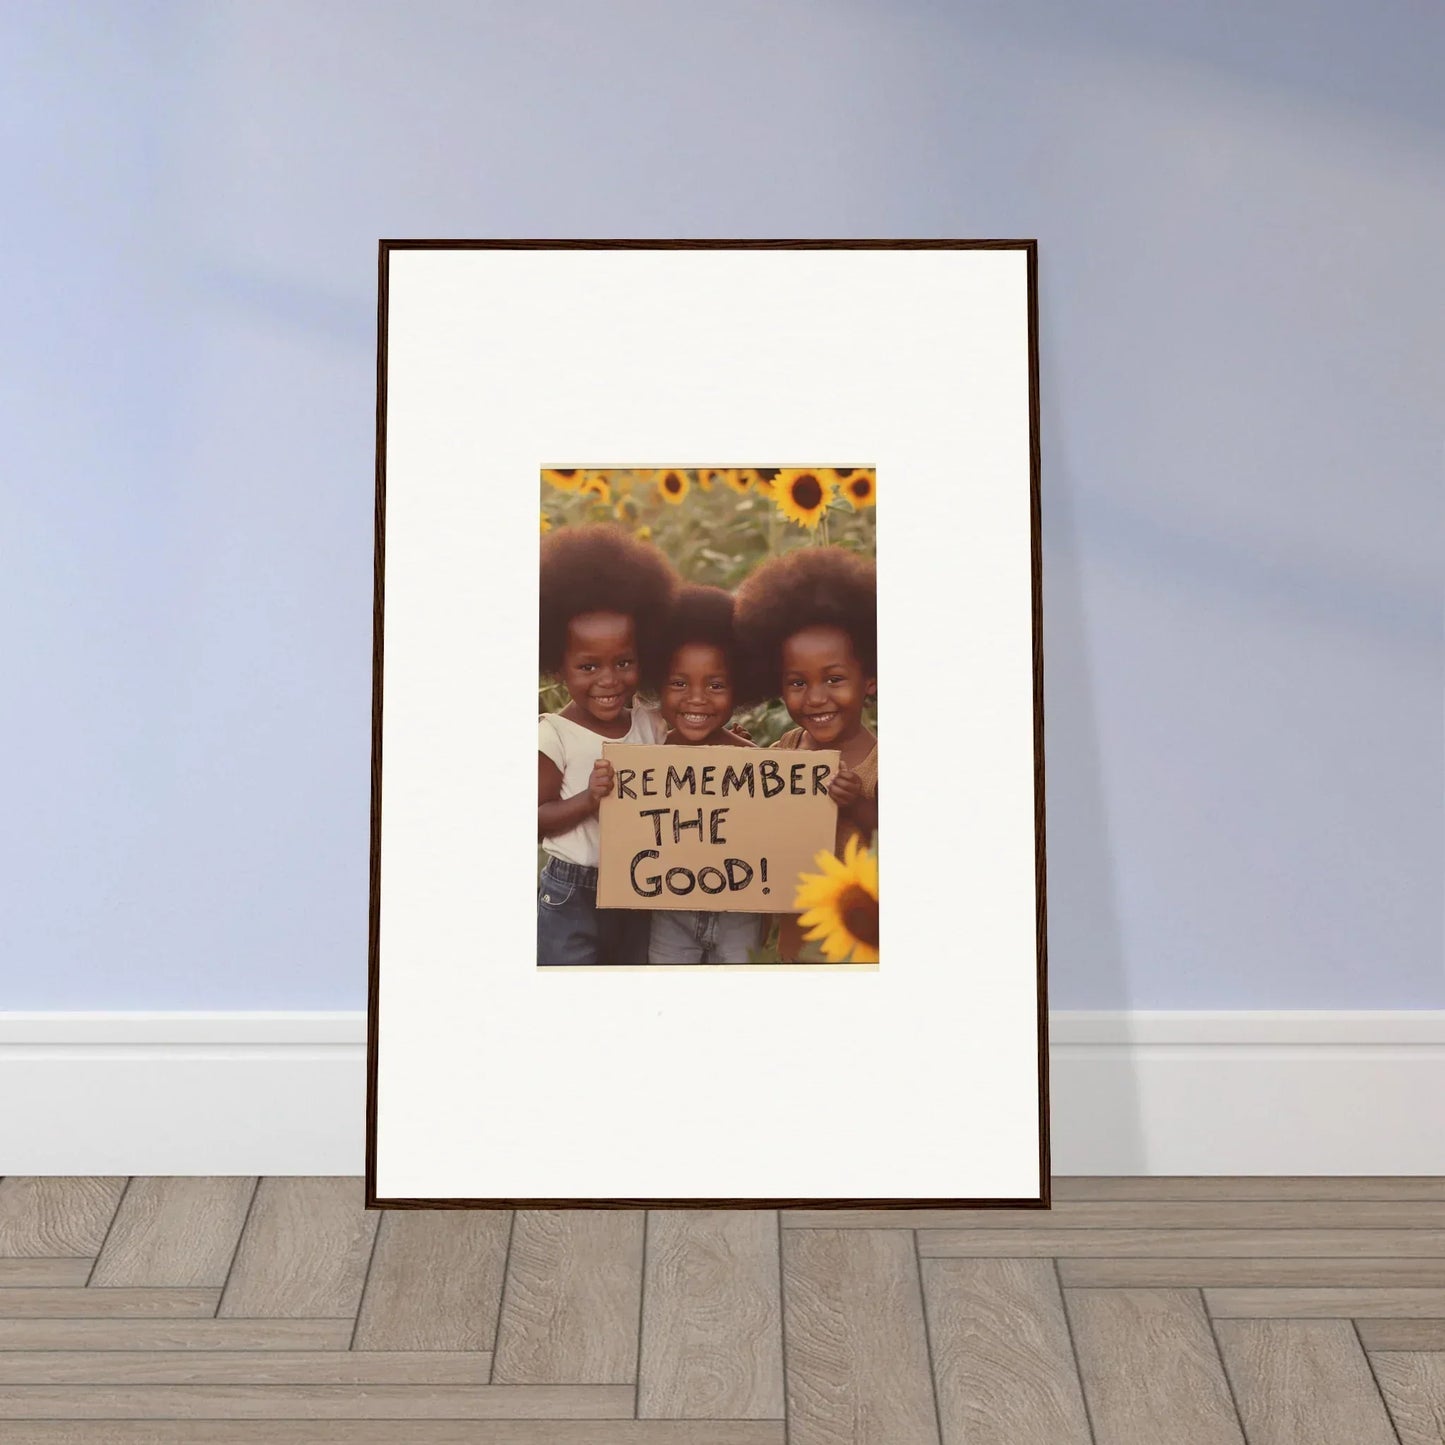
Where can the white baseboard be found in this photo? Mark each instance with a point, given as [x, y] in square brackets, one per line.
[1248, 1093]
[1133, 1093]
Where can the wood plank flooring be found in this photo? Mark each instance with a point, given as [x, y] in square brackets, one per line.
[1137, 1311]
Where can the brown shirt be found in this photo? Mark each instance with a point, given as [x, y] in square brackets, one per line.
[790, 935]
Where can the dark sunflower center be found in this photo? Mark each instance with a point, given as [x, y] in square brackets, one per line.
[859, 488]
[807, 491]
[673, 484]
[572, 473]
[768, 473]
[859, 913]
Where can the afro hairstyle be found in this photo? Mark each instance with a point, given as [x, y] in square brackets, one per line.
[600, 568]
[807, 587]
[699, 614]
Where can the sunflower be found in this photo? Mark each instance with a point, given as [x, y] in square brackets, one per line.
[564, 481]
[706, 476]
[857, 486]
[546, 523]
[672, 485]
[752, 479]
[840, 905]
[596, 486]
[802, 494]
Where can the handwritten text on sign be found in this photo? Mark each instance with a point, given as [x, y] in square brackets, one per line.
[723, 829]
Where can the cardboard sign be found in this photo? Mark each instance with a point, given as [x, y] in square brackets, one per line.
[724, 829]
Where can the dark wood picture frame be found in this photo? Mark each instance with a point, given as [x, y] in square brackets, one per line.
[373, 1201]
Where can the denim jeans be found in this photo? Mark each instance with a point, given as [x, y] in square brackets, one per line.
[572, 930]
[695, 936]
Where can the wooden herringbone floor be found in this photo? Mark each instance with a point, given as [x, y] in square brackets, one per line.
[1137, 1312]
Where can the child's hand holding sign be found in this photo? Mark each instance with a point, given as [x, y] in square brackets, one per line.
[846, 787]
[856, 808]
[600, 784]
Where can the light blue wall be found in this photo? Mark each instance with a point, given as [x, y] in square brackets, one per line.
[1240, 214]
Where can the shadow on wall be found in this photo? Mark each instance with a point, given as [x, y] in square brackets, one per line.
[1086, 949]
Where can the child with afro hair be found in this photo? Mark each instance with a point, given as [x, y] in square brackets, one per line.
[808, 620]
[695, 671]
[603, 597]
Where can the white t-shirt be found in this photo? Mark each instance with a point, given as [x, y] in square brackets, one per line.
[574, 749]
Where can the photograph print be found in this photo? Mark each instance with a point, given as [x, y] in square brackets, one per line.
[707, 765]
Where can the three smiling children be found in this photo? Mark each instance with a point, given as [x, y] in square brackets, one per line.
[614, 618]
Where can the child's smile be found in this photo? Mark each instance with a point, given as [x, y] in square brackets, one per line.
[599, 667]
[823, 685]
[697, 695]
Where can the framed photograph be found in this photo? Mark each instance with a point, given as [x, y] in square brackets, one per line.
[736, 509]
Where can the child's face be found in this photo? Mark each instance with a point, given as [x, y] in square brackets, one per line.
[599, 666]
[697, 693]
[824, 686]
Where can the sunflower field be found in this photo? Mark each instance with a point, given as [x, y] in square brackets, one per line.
[715, 524]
